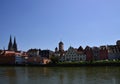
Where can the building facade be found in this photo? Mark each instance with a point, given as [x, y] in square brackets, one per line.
[33, 52]
[113, 52]
[46, 53]
[73, 55]
[89, 53]
[19, 59]
[103, 53]
[96, 53]
[60, 50]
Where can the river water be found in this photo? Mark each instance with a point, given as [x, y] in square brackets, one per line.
[60, 75]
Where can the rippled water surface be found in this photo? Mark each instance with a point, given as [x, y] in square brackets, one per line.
[60, 75]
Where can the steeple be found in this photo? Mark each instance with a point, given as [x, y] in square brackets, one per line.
[56, 49]
[61, 46]
[14, 45]
[10, 44]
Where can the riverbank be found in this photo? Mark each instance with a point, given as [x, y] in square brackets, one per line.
[72, 64]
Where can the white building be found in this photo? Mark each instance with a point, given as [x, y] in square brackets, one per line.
[18, 58]
[33, 52]
[73, 55]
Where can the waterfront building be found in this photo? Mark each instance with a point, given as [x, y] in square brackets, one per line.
[34, 60]
[61, 49]
[89, 53]
[80, 49]
[113, 52]
[73, 55]
[24, 56]
[56, 53]
[9, 53]
[118, 49]
[96, 53]
[103, 53]
[34, 52]
[1, 52]
[46, 53]
[19, 59]
[12, 57]
[7, 57]
[56, 50]
[45, 61]
[118, 42]
[61, 46]
[60, 52]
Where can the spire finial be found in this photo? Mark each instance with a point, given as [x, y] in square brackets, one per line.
[10, 44]
[15, 44]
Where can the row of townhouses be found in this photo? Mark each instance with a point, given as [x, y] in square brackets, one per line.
[107, 52]
[38, 56]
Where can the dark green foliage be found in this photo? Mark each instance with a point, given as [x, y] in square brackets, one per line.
[54, 59]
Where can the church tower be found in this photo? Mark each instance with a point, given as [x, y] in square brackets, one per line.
[10, 44]
[56, 49]
[14, 45]
[61, 46]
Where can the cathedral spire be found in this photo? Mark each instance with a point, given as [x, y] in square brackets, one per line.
[15, 45]
[10, 44]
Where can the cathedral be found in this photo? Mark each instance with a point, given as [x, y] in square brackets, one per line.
[12, 46]
[60, 49]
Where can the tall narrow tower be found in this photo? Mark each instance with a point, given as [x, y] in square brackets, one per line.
[61, 46]
[10, 44]
[56, 49]
[15, 45]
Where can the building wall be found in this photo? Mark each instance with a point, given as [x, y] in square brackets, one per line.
[73, 55]
[34, 60]
[113, 52]
[96, 53]
[19, 59]
[45, 61]
[103, 53]
[7, 59]
[33, 52]
[46, 53]
[89, 55]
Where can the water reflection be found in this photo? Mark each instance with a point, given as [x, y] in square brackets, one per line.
[60, 75]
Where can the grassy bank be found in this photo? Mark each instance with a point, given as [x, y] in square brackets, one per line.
[71, 64]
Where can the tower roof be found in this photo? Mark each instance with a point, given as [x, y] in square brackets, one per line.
[15, 45]
[60, 42]
[80, 48]
[118, 42]
[14, 40]
[10, 44]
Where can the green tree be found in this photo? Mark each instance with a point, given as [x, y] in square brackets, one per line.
[54, 59]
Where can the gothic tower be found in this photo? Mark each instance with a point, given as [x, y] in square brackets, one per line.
[118, 42]
[14, 45]
[56, 49]
[10, 44]
[61, 46]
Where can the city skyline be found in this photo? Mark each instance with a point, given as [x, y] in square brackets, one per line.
[43, 24]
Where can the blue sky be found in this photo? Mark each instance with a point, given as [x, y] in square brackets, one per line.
[43, 23]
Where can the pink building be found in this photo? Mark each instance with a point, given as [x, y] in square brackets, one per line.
[89, 53]
[103, 53]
